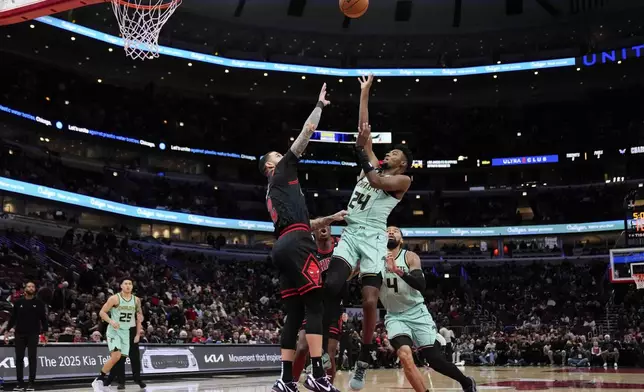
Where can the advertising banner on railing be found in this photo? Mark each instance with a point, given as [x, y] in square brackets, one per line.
[60, 361]
[44, 192]
[94, 203]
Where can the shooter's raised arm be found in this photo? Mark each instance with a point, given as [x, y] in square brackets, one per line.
[365, 89]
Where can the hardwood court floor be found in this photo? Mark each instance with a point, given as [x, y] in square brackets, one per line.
[488, 379]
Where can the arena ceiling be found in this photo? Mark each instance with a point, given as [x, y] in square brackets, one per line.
[410, 16]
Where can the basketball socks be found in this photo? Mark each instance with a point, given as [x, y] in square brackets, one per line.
[437, 361]
[287, 371]
[101, 376]
[365, 352]
[318, 370]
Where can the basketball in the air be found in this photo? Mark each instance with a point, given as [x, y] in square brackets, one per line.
[354, 8]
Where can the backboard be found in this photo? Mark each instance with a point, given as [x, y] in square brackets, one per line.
[16, 11]
[621, 264]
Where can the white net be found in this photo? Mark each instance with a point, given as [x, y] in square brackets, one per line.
[140, 22]
[639, 281]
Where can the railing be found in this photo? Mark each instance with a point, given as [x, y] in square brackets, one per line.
[62, 257]
[31, 245]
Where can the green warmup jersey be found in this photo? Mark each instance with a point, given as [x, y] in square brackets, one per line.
[125, 313]
[370, 207]
[396, 295]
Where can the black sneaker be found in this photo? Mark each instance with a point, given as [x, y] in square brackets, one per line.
[472, 387]
[322, 384]
[19, 388]
[121, 387]
[281, 386]
[30, 387]
[141, 384]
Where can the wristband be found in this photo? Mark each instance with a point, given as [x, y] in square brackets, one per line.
[320, 105]
[363, 160]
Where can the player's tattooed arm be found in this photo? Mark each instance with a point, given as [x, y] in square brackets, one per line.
[310, 125]
[327, 220]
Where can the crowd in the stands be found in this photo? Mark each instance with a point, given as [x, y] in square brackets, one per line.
[509, 314]
[516, 314]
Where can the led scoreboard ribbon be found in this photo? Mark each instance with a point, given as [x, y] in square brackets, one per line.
[43, 192]
[313, 70]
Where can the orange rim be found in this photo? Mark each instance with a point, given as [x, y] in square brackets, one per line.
[145, 7]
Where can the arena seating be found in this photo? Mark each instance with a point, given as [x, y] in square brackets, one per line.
[514, 310]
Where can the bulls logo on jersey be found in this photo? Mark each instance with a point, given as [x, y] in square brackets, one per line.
[312, 270]
[324, 256]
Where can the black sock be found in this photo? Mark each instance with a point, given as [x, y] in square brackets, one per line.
[365, 352]
[101, 376]
[438, 362]
[287, 371]
[318, 370]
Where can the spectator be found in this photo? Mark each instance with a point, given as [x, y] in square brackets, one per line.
[96, 337]
[610, 351]
[577, 357]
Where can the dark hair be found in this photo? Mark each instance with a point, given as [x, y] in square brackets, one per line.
[262, 163]
[127, 278]
[30, 281]
[406, 152]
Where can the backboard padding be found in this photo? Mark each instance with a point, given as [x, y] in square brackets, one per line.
[17, 11]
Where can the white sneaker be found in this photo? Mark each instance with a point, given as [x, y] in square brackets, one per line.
[605, 365]
[98, 385]
[615, 366]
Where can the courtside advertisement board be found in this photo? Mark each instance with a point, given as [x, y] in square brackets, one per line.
[61, 361]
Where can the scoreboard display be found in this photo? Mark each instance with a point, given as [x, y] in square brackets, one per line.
[635, 222]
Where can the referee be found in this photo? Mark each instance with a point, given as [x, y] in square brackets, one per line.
[29, 317]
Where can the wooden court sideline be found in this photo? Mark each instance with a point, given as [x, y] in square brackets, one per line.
[488, 379]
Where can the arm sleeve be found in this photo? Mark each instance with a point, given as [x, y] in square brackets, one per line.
[415, 279]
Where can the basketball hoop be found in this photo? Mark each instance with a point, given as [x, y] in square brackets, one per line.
[140, 22]
[639, 281]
